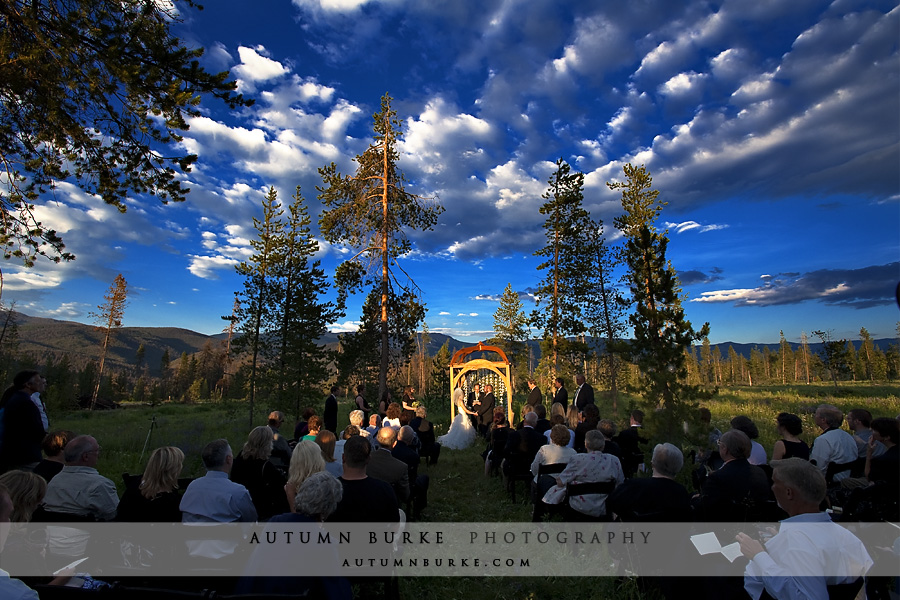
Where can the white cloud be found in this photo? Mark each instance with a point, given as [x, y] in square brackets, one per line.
[345, 327]
[208, 267]
[255, 68]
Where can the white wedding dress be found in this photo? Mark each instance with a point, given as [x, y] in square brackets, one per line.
[461, 434]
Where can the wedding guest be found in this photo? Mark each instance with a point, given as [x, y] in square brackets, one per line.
[306, 460]
[156, 499]
[757, 452]
[593, 466]
[254, 470]
[326, 441]
[313, 427]
[789, 427]
[54, 446]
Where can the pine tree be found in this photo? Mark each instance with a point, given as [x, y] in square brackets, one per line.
[109, 317]
[661, 333]
[834, 355]
[371, 212]
[90, 92]
[804, 353]
[300, 315]
[254, 314]
[511, 329]
[604, 306]
[786, 357]
[867, 354]
[562, 292]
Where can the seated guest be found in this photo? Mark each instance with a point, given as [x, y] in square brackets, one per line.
[498, 437]
[525, 410]
[418, 484]
[789, 427]
[810, 555]
[374, 420]
[306, 460]
[392, 416]
[23, 551]
[608, 428]
[424, 429]
[560, 420]
[214, 498]
[54, 445]
[382, 465]
[573, 418]
[365, 498]
[859, 422]
[543, 423]
[557, 452]
[730, 493]
[79, 489]
[269, 568]
[521, 446]
[156, 499]
[281, 449]
[658, 498]
[590, 418]
[757, 452]
[884, 467]
[356, 419]
[346, 434]
[254, 469]
[593, 466]
[312, 428]
[834, 445]
[302, 427]
[326, 441]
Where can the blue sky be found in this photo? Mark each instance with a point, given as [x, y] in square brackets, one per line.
[771, 128]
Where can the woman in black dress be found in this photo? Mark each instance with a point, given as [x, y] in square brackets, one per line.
[253, 469]
[156, 499]
[789, 446]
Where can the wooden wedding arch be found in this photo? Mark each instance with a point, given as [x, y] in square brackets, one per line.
[459, 366]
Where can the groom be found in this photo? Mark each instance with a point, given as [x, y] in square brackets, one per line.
[485, 410]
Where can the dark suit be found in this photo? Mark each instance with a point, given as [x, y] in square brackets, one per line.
[654, 499]
[383, 466]
[584, 395]
[561, 396]
[521, 447]
[534, 397]
[485, 412]
[729, 494]
[329, 415]
[632, 456]
[418, 484]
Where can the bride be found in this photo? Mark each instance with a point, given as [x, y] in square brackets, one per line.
[462, 432]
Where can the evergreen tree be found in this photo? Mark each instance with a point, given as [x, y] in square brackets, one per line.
[661, 333]
[254, 314]
[371, 212]
[834, 355]
[867, 354]
[110, 317]
[563, 291]
[804, 354]
[300, 315]
[511, 330]
[90, 92]
[785, 357]
[604, 306]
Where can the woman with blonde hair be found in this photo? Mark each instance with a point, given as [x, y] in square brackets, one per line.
[156, 499]
[326, 441]
[253, 469]
[26, 490]
[306, 460]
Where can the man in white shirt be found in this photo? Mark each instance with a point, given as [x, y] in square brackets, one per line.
[834, 445]
[810, 555]
[79, 489]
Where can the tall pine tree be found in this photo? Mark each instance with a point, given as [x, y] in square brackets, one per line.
[661, 333]
[560, 295]
[370, 212]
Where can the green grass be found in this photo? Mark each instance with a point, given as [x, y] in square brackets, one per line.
[459, 490]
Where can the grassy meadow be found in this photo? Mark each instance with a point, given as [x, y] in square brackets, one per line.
[459, 490]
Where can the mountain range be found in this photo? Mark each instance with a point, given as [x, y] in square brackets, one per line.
[42, 337]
